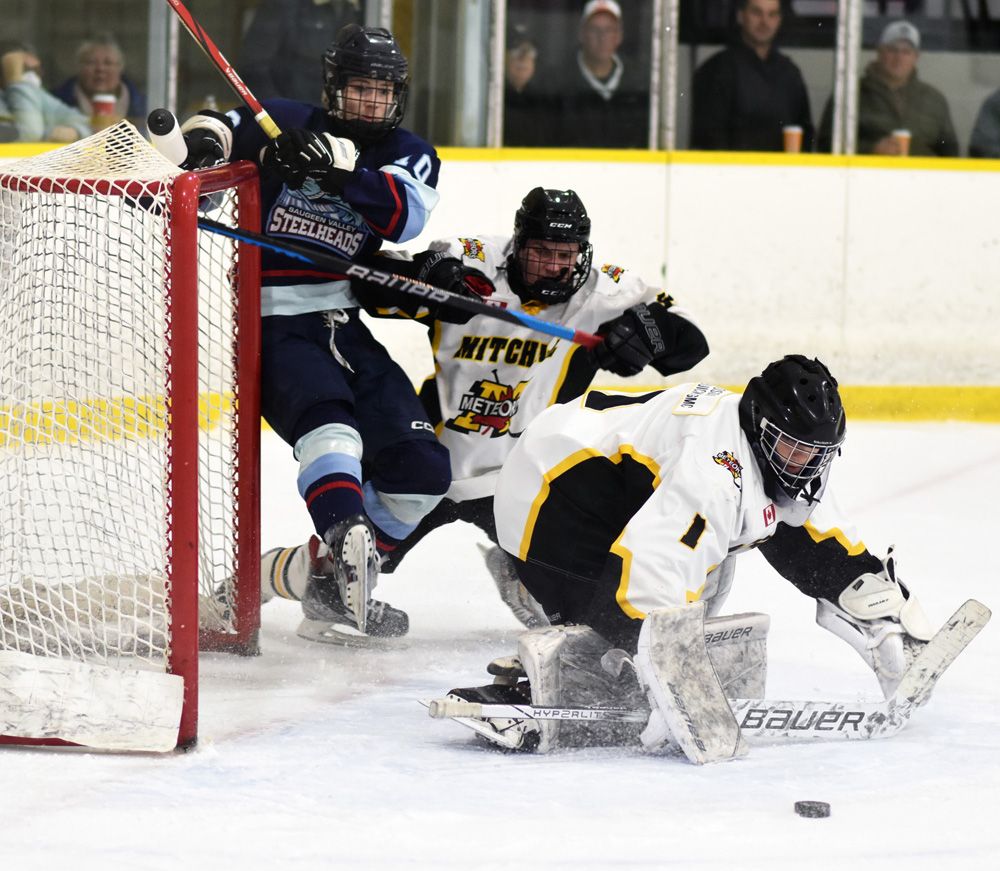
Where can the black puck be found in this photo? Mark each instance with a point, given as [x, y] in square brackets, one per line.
[813, 809]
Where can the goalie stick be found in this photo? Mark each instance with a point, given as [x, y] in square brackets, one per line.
[406, 286]
[781, 720]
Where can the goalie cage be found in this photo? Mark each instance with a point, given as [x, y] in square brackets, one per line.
[129, 440]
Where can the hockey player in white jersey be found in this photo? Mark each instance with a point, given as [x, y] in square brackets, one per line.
[492, 377]
[621, 506]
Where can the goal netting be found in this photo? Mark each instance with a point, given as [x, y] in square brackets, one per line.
[129, 426]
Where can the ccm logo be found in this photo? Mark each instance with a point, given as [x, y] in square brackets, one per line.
[421, 424]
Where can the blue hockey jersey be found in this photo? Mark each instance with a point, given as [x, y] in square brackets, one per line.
[389, 199]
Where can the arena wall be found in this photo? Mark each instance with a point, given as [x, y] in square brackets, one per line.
[886, 269]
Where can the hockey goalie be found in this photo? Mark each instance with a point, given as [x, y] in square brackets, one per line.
[622, 515]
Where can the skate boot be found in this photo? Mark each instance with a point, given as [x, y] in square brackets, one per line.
[502, 732]
[337, 604]
[514, 594]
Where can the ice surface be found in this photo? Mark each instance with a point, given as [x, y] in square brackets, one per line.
[315, 757]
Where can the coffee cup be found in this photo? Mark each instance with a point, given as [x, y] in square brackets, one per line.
[902, 138]
[792, 138]
[104, 105]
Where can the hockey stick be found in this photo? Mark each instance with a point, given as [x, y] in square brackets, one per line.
[779, 720]
[260, 115]
[406, 286]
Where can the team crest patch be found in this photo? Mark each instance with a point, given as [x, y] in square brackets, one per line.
[613, 272]
[473, 249]
[726, 459]
[487, 407]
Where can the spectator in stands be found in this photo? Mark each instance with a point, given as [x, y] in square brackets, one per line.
[743, 96]
[601, 101]
[284, 42]
[101, 70]
[526, 112]
[985, 139]
[35, 115]
[892, 97]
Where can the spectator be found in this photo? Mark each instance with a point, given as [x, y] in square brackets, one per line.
[525, 110]
[35, 115]
[745, 94]
[892, 97]
[985, 140]
[602, 102]
[100, 70]
[284, 42]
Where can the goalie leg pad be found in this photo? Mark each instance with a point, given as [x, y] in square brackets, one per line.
[564, 669]
[683, 689]
[737, 647]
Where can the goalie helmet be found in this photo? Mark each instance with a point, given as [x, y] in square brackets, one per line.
[370, 53]
[553, 216]
[793, 417]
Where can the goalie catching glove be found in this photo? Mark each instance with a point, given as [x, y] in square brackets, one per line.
[209, 139]
[879, 617]
[302, 154]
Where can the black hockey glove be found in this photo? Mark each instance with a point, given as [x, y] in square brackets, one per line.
[209, 139]
[631, 341]
[300, 154]
[449, 273]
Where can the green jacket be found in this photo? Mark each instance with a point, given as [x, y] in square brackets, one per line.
[36, 112]
[916, 107]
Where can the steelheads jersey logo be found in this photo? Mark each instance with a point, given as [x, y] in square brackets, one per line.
[487, 405]
[728, 461]
[312, 215]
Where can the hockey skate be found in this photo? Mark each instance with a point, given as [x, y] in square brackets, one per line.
[337, 604]
[502, 732]
[500, 565]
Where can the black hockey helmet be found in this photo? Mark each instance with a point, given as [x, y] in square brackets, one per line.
[556, 216]
[365, 52]
[793, 417]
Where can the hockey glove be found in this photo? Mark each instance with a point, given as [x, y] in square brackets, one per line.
[449, 273]
[881, 619]
[300, 154]
[209, 139]
[630, 342]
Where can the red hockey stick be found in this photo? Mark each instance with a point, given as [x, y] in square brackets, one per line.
[223, 66]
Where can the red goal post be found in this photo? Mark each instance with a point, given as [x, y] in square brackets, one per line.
[129, 440]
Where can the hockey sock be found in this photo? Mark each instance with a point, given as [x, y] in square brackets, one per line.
[331, 498]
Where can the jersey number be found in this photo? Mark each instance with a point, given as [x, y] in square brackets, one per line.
[421, 169]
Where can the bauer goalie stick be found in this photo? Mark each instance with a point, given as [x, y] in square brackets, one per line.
[405, 286]
[778, 720]
[264, 121]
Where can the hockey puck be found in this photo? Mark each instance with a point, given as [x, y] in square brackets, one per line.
[813, 809]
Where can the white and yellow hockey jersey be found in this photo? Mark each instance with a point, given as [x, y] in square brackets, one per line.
[493, 377]
[644, 494]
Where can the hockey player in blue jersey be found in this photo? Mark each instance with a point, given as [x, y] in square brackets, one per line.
[343, 178]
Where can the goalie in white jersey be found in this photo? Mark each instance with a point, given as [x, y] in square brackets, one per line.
[619, 505]
[493, 377]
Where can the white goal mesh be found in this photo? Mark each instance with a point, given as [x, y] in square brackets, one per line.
[99, 361]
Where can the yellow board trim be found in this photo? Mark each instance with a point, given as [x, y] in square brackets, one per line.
[853, 549]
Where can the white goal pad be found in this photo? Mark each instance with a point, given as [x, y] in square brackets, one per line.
[91, 705]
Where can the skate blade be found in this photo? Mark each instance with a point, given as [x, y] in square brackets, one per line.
[342, 635]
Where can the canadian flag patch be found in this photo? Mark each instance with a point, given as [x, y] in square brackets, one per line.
[769, 514]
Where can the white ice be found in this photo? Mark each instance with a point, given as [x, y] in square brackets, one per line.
[316, 757]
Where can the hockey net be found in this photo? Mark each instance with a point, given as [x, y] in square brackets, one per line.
[129, 425]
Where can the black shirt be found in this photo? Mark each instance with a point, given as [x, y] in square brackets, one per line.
[741, 102]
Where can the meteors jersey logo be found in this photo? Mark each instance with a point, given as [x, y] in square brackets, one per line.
[613, 272]
[473, 249]
[487, 405]
[727, 460]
